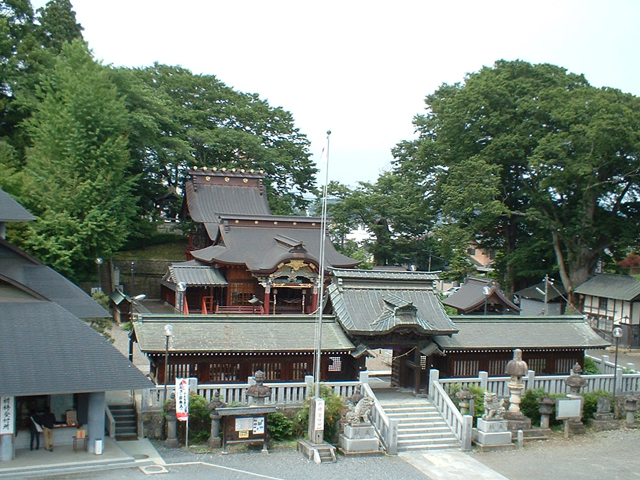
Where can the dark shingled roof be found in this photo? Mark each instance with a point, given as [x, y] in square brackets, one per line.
[262, 243]
[12, 211]
[620, 287]
[378, 302]
[471, 296]
[193, 273]
[238, 333]
[48, 351]
[553, 291]
[509, 332]
[33, 274]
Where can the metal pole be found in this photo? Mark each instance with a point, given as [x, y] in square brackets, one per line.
[166, 367]
[323, 237]
[615, 373]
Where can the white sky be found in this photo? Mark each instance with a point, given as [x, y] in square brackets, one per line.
[362, 68]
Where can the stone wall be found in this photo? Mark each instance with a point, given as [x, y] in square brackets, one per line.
[152, 424]
[146, 275]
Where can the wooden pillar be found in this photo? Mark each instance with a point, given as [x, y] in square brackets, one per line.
[267, 300]
[416, 371]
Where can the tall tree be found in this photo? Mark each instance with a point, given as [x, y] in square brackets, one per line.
[75, 175]
[196, 120]
[520, 149]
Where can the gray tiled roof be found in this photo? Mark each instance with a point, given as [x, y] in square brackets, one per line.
[509, 332]
[12, 211]
[263, 245]
[375, 302]
[553, 291]
[471, 295]
[620, 287]
[47, 351]
[237, 333]
[26, 270]
[194, 273]
[207, 200]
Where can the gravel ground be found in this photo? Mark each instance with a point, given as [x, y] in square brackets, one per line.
[611, 455]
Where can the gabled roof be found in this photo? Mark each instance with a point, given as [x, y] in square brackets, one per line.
[193, 274]
[553, 292]
[238, 333]
[472, 296]
[12, 211]
[47, 351]
[22, 268]
[509, 332]
[379, 302]
[263, 242]
[619, 287]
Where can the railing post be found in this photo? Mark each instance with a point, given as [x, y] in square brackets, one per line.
[531, 379]
[434, 376]
[392, 438]
[364, 377]
[467, 425]
[308, 379]
[618, 374]
[484, 379]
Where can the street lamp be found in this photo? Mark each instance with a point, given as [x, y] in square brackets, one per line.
[98, 265]
[168, 332]
[617, 333]
[486, 291]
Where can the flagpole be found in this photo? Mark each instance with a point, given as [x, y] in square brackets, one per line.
[323, 239]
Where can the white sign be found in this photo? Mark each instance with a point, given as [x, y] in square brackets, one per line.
[319, 417]
[7, 415]
[568, 408]
[258, 425]
[182, 399]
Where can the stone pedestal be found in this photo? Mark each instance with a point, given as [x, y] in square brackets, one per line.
[603, 421]
[214, 439]
[517, 421]
[172, 431]
[492, 435]
[359, 440]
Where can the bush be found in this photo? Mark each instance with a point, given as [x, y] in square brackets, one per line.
[478, 397]
[530, 406]
[332, 412]
[590, 367]
[279, 426]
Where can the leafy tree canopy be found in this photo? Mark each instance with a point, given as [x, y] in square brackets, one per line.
[521, 150]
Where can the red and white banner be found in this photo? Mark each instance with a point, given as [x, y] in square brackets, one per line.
[182, 399]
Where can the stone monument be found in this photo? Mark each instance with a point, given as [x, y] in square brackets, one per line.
[604, 418]
[359, 436]
[491, 432]
[172, 426]
[631, 407]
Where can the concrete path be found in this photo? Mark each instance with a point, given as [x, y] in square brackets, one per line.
[450, 465]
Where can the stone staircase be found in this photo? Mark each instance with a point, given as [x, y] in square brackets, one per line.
[126, 421]
[420, 425]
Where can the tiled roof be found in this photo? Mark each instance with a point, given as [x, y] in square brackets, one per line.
[620, 287]
[209, 195]
[238, 333]
[194, 273]
[263, 242]
[12, 211]
[376, 303]
[47, 351]
[509, 332]
[553, 291]
[472, 295]
[33, 274]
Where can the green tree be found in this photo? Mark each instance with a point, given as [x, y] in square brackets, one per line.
[75, 177]
[184, 120]
[522, 151]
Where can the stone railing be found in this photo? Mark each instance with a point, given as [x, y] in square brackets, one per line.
[605, 365]
[553, 384]
[461, 425]
[386, 428]
[289, 394]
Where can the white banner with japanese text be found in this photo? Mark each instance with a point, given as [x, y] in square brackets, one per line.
[182, 399]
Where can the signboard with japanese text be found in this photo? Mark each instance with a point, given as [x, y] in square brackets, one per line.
[319, 417]
[182, 399]
[7, 415]
[567, 408]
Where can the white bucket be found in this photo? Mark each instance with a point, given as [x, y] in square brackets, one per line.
[98, 447]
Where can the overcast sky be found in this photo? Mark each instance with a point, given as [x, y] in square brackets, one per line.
[362, 68]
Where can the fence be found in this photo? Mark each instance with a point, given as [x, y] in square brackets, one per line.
[553, 384]
[282, 394]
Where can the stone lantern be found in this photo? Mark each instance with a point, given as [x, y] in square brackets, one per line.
[575, 381]
[546, 409]
[465, 396]
[516, 369]
[214, 438]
